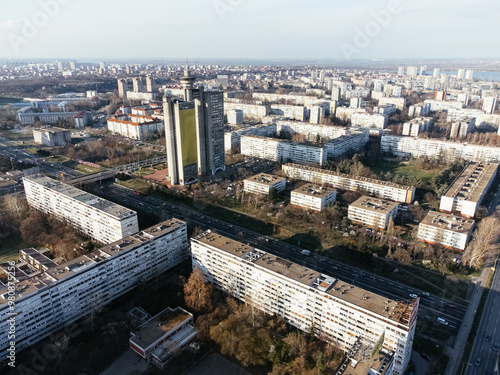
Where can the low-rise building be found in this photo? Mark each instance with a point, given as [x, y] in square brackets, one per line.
[313, 197]
[445, 229]
[136, 126]
[467, 192]
[163, 337]
[52, 137]
[341, 313]
[379, 188]
[263, 183]
[100, 219]
[373, 212]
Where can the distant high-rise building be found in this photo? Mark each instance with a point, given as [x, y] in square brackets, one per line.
[489, 104]
[397, 91]
[460, 74]
[223, 80]
[137, 84]
[356, 102]
[322, 76]
[436, 73]
[194, 131]
[102, 65]
[150, 84]
[401, 71]
[122, 87]
[72, 65]
[411, 71]
[336, 93]
[423, 68]
[60, 66]
[469, 75]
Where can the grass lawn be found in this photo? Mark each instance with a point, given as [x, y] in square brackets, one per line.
[135, 184]
[404, 169]
[19, 136]
[87, 169]
[10, 246]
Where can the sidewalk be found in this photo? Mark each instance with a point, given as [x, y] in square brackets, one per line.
[457, 351]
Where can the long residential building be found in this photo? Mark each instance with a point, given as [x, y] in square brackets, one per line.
[47, 301]
[445, 229]
[373, 212]
[136, 126]
[263, 183]
[416, 147]
[467, 192]
[341, 313]
[100, 219]
[313, 197]
[282, 150]
[379, 188]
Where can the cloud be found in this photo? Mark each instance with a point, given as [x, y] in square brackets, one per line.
[10, 24]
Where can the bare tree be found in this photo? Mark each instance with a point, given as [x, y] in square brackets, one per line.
[15, 206]
[485, 236]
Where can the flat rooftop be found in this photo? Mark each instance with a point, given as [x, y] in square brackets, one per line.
[472, 182]
[264, 178]
[397, 311]
[343, 175]
[103, 205]
[38, 257]
[158, 326]
[448, 221]
[51, 130]
[314, 191]
[378, 205]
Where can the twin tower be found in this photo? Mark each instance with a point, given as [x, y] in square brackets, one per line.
[194, 132]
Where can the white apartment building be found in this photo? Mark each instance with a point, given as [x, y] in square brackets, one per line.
[373, 212]
[51, 136]
[416, 147]
[263, 183]
[235, 117]
[341, 313]
[467, 192]
[386, 109]
[136, 126]
[368, 120]
[292, 112]
[249, 110]
[48, 301]
[416, 126]
[442, 105]
[100, 219]
[354, 142]
[462, 114]
[313, 197]
[447, 230]
[489, 104]
[460, 129]
[282, 150]
[398, 102]
[379, 188]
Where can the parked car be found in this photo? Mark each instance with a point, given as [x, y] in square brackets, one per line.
[495, 347]
[425, 356]
[442, 321]
[449, 305]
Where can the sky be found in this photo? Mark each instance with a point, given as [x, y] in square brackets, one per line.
[114, 30]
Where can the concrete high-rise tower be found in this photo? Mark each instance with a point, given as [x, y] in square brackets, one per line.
[137, 83]
[194, 132]
[122, 87]
[150, 84]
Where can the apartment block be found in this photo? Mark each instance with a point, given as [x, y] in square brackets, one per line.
[100, 219]
[373, 212]
[442, 105]
[136, 126]
[282, 150]
[341, 313]
[460, 129]
[235, 116]
[416, 126]
[398, 102]
[249, 110]
[263, 183]
[385, 109]
[379, 188]
[292, 112]
[52, 137]
[47, 301]
[367, 120]
[163, 337]
[353, 142]
[467, 192]
[447, 230]
[432, 148]
[313, 197]
[489, 104]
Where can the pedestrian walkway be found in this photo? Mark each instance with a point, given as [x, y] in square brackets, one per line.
[129, 363]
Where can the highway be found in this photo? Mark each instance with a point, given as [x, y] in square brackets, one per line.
[489, 325]
[431, 307]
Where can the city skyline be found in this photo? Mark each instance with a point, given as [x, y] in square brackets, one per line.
[244, 30]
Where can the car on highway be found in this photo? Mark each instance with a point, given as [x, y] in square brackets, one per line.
[449, 305]
[487, 338]
[477, 363]
[495, 347]
[425, 356]
[413, 295]
[426, 294]
[442, 321]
